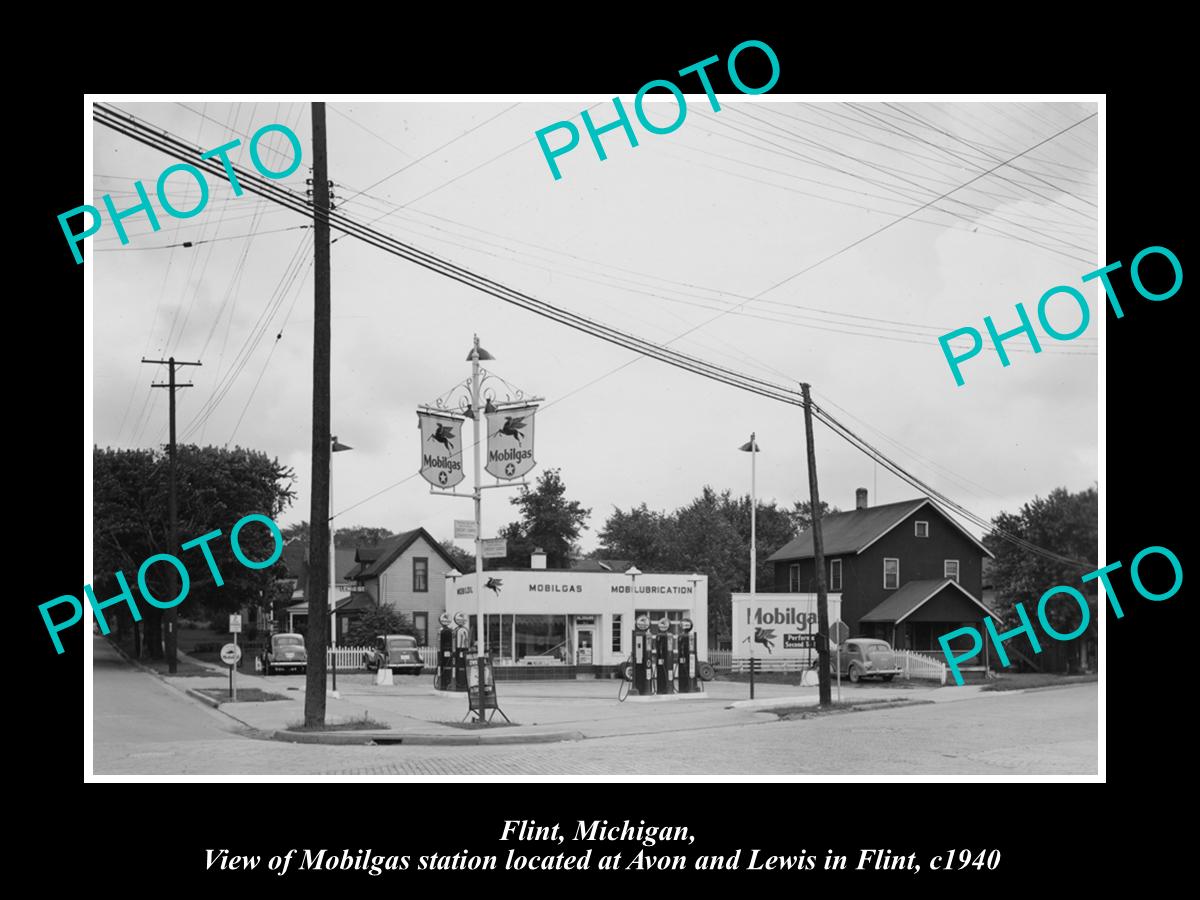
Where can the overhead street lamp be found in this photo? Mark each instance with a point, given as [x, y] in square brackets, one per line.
[751, 447]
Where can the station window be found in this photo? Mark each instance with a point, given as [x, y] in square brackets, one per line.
[616, 634]
[540, 636]
[794, 578]
[922, 529]
[420, 574]
[421, 627]
[950, 569]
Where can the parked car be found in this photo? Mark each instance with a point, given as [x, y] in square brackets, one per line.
[285, 653]
[868, 658]
[397, 652]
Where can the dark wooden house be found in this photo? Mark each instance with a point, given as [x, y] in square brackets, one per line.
[906, 572]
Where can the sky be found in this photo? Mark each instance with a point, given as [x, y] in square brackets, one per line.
[754, 232]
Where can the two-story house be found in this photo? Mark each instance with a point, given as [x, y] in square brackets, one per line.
[408, 573]
[907, 573]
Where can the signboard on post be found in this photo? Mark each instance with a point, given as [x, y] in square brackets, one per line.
[441, 449]
[839, 631]
[494, 548]
[510, 442]
[235, 623]
[464, 529]
[231, 654]
[481, 689]
[779, 626]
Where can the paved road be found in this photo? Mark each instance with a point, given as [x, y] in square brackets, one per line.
[143, 727]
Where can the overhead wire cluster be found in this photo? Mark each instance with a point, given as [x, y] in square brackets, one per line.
[134, 128]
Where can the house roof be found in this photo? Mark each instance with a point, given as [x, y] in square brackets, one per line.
[600, 565]
[854, 531]
[373, 561]
[296, 559]
[912, 596]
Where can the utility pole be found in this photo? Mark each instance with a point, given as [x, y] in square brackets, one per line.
[169, 616]
[826, 697]
[319, 532]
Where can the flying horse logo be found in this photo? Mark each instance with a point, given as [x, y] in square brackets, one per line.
[512, 427]
[444, 436]
[493, 584]
[766, 637]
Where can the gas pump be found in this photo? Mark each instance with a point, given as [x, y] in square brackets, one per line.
[445, 663]
[643, 656]
[688, 682]
[665, 663]
[462, 643]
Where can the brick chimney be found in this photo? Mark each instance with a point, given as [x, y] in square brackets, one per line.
[860, 498]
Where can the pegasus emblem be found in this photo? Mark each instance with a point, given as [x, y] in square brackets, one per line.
[513, 426]
[444, 436]
[493, 584]
[766, 637]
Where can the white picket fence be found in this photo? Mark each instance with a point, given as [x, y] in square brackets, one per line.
[352, 657]
[915, 665]
[921, 665]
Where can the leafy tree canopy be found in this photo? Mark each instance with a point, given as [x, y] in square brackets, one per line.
[548, 520]
[374, 622]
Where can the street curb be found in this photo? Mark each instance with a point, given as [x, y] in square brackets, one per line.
[886, 704]
[386, 737]
[204, 698]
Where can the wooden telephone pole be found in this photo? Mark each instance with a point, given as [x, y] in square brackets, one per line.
[169, 616]
[825, 689]
[317, 590]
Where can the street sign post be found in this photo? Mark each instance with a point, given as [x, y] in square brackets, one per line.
[494, 548]
[235, 623]
[464, 529]
[230, 655]
[838, 632]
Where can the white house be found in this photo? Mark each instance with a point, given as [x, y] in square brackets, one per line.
[408, 573]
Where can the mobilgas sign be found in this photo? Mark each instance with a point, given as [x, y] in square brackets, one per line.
[510, 442]
[778, 626]
[441, 450]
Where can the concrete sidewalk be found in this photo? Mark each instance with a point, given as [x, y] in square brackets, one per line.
[540, 711]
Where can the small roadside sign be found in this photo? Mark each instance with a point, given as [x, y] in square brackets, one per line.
[464, 529]
[230, 654]
[839, 631]
[235, 623]
[494, 548]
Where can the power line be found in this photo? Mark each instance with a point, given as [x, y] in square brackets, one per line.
[663, 353]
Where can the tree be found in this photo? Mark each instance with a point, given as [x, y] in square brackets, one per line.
[374, 622]
[346, 538]
[463, 560]
[548, 520]
[711, 536]
[801, 514]
[216, 488]
[1064, 523]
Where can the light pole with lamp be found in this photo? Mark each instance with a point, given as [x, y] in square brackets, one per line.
[478, 353]
[751, 447]
[335, 447]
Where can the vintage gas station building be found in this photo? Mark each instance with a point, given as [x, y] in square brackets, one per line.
[566, 623]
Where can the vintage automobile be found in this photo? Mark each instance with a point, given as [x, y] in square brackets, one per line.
[868, 658]
[285, 653]
[397, 652]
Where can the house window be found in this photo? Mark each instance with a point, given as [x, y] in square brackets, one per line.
[793, 578]
[891, 574]
[922, 529]
[616, 634]
[421, 627]
[420, 574]
[950, 569]
[835, 574]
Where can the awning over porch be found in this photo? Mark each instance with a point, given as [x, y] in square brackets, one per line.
[942, 600]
